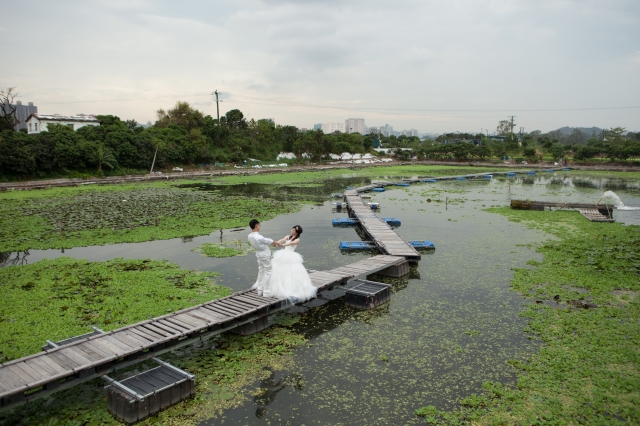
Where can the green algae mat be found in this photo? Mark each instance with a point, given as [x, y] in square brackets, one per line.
[586, 310]
[61, 298]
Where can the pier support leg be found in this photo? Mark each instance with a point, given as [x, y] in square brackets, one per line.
[251, 327]
[395, 271]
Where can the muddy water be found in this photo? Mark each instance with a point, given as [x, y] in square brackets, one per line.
[450, 326]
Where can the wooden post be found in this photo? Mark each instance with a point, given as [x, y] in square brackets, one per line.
[61, 227]
[156, 221]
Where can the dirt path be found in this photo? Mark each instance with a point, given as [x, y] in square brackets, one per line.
[39, 184]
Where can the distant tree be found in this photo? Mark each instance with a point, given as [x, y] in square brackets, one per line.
[616, 136]
[556, 151]
[511, 142]
[181, 114]
[530, 154]
[8, 119]
[577, 138]
[527, 140]
[131, 124]
[105, 157]
[235, 119]
[504, 127]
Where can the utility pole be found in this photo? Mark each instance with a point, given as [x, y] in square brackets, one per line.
[217, 105]
[512, 116]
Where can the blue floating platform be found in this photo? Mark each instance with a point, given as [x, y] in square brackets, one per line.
[511, 174]
[531, 172]
[461, 178]
[378, 190]
[430, 180]
[356, 245]
[402, 184]
[566, 169]
[336, 195]
[374, 206]
[392, 221]
[422, 244]
[487, 176]
[549, 170]
[344, 221]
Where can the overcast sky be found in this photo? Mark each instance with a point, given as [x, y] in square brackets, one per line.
[435, 66]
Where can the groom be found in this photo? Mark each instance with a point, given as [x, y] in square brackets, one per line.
[263, 254]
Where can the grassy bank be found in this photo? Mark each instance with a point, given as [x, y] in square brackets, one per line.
[127, 213]
[585, 308]
[57, 299]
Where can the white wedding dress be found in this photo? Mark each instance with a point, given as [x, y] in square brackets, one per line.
[289, 278]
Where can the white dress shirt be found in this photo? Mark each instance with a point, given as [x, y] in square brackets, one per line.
[260, 244]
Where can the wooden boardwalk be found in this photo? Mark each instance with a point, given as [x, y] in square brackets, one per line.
[99, 353]
[385, 238]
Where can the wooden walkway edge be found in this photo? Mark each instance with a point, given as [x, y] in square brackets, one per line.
[86, 358]
[384, 237]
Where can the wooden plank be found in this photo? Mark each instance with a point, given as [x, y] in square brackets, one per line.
[11, 379]
[173, 330]
[95, 351]
[36, 374]
[76, 356]
[63, 361]
[121, 337]
[45, 359]
[43, 366]
[161, 331]
[106, 346]
[146, 336]
[147, 332]
[206, 314]
[195, 322]
[25, 377]
[240, 304]
[115, 342]
[221, 311]
[188, 328]
[231, 307]
[249, 301]
[134, 338]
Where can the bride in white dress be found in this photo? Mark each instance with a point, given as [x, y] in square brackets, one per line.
[289, 278]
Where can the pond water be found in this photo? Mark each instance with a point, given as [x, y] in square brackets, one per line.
[451, 325]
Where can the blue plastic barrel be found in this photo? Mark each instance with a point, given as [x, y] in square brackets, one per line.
[422, 244]
[461, 178]
[511, 174]
[430, 180]
[378, 190]
[402, 184]
[392, 221]
[343, 221]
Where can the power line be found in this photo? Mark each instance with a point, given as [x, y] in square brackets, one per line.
[351, 107]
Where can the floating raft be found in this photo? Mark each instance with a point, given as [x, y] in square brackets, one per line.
[531, 172]
[511, 174]
[595, 216]
[374, 206]
[461, 178]
[422, 244]
[392, 221]
[368, 295]
[344, 221]
[378, 190]
[549, 170]
[403, 184]
[487, 176]
[357, 245]
[430, 180]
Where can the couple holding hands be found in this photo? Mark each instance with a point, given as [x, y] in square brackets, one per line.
[282, 275]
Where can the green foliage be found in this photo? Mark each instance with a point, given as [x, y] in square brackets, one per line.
[218, 251]
[61, 298]
[123, 213]
[586, 373]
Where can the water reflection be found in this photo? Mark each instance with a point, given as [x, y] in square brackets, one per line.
[20, 258]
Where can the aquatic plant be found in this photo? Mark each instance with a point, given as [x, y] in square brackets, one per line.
[219, 250]
[585, 308]
[61, 298]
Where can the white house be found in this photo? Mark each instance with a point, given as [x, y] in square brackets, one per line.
[37, 123]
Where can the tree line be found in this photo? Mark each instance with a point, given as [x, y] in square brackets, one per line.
[181, 135]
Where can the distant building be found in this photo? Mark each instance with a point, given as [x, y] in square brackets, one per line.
[354, 125]
[37, 123]
[22, 113]
[331, 127]
[386, 130]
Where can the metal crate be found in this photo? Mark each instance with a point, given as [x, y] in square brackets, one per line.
[368, 294]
